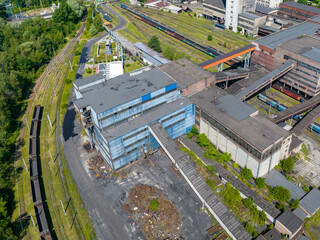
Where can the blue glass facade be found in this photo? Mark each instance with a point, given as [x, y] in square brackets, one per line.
[127, 147]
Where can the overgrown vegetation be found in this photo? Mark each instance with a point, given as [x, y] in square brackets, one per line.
[281, 193]
[246, 173]
[260, 182]
[24, 50]
[287, 164]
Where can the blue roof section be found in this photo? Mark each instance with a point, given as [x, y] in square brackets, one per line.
[311, 202]
[151, 53]
[313, 54]
[275, 39]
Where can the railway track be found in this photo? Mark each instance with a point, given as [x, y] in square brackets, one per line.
[49, 71]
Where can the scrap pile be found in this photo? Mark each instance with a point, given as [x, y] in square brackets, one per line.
[159, 221]
[99, 167]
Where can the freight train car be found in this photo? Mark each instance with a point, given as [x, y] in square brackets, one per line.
[35, 177]
[314, 126]
[288, 92]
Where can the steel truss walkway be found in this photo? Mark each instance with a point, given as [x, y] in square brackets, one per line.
[297, 109]
[199, 186]
[306, 121]
[228, 56]
[265, 81]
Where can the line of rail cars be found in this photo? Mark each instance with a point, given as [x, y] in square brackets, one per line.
[272, 102]
[172, 32]
[288, 92]
[35, 176]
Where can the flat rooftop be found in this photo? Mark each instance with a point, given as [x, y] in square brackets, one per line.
[250, 15]
[146, 119]
[216, 3]
[307, 46]
[311, 202]
[256, 130]
[185, 72]
[273, 40]
[301, 6]
[290, 221]
[265, 10]
[124, 88]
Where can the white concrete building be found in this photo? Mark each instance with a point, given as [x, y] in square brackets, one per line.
[270, 3]
[237, 128]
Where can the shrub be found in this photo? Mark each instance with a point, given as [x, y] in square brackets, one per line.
[251, 230]
[211, 170]
[281, 193]
[281, 207]
[246, 173]
[235, 165]
[294, 204]
[260, 182]
[203, 141]
[128, 65]
[154, 203]
[248, 202]
[209, 37]
[287, 164]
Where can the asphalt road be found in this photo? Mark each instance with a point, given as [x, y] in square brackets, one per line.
[106, 222]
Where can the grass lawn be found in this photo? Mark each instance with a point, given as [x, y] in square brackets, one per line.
[138, 31]
[313, 226]
[133, 66]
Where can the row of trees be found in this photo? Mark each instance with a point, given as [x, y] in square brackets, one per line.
[25, 49]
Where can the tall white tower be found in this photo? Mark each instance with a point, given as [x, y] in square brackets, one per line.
[232, 12]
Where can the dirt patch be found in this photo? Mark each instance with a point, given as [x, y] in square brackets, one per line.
[157, 215]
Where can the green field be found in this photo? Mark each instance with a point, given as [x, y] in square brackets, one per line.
[198, 29]
[313, 226]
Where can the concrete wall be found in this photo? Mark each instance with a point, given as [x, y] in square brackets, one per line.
[238, 154]
[199, 86]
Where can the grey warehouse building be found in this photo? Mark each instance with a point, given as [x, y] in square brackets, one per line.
[237, 128]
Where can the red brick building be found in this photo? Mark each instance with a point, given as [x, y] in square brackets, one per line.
[298, 10]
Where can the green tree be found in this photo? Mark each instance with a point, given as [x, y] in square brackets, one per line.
[209, 37]
[154, 44]
[64, 13]
[246, 173]
[203, 141]
[260, 182]
[77, 7]
[287, 164]
[194, 130]
[93, 31]
[294, 204]
[281, 193]
[251, 230]
[231, 195]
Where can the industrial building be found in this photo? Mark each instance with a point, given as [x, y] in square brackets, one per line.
[270, 3]
[237, 128]
[190, 77]
[250, 22]
[116, 113]
[308, 205]
[299, 44]
[298, 10]
[148, 55]
[305, 51]
[234, 14]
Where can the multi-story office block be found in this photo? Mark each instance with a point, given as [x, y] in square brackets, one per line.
[270, 3]
[116, 113]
